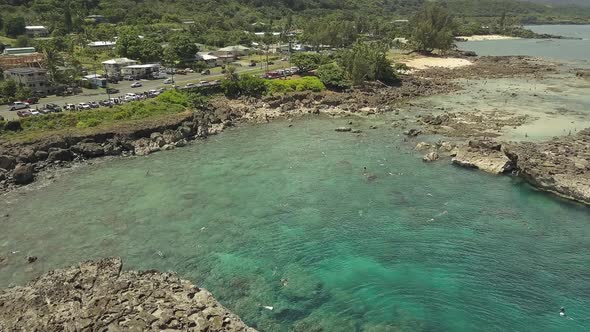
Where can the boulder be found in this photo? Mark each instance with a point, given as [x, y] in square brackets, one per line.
[423, 146]
[356, 131]
[485, 144]
[343, 129]
[41, 155]
[430, 157]
[89, 150]
[7, 162]
[168, 147]
[145, 146]
[23, 174]
[26, 155]
[181, 143]
[58, 154]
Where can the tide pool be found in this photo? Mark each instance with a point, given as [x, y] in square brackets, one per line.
[267, 215]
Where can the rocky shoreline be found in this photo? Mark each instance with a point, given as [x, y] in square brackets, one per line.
[99, 296]
[21, 162]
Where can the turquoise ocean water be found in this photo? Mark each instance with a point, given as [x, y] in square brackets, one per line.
[571, 51]
[267, 215]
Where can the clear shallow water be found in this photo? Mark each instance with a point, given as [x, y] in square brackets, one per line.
[575, 52]
[407, 246]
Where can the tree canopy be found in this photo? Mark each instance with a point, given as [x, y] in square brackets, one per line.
[432, 29]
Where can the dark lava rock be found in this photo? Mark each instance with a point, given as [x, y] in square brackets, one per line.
[89, 150]
[41, 155]
[343, 129]
[31, 259]
[61, 155]
[7, 162]
[23, 174]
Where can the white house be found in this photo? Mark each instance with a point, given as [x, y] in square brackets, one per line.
[102, 45]
[208, 58]
[236, 50]
[113, 67]
[36, 31]
[140, 71]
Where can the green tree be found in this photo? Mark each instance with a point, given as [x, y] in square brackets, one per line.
[128, 44]
[367, 62]
[14, 26]
[333, 76]
[22, 92]
[150, 50]
[8, 88]
[182, 48]
[433, 29]
[308, 61]
[23, 41]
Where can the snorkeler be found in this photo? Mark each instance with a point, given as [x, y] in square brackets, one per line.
[562, 312]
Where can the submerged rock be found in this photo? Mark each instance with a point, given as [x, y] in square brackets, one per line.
[343, 129]
[99, 296]
[432, 156]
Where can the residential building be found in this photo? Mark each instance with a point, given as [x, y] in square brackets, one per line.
[34, 78]
[20, 57]
[113, 67]
[36, 31]
[94, 81]
[236, 51]
[18, 50]
[140, 71]
[102, 45]
[208, 58]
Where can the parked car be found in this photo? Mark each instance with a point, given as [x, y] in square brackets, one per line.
[153, 93]
[18, 105]
[112, 90]
[168, 81]
[129, 98]
[83, 106]
[252, 64]
[53, 107]
[34, 112]
[181, 72]
[188, 70]
[129, 78]
[94, 104]
[70, 107]
[45, 111]
[190, 85]
[206, 72]
[23, 113]
[136, 84]
[39, 94]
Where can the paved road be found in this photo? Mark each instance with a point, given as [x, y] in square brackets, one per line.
[125, 87]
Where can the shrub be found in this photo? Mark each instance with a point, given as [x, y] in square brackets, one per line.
[252, 86]
[308, 83]
[333, 76]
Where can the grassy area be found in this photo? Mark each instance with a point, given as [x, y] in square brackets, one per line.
[169, 103]
[309, 83]
[7, 41]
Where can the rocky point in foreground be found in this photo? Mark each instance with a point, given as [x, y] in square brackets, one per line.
[98, 296]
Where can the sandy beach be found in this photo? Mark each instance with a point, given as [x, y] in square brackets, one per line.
[424, 63]
[484, 37]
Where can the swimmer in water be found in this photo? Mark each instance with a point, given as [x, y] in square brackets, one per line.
[562, 312]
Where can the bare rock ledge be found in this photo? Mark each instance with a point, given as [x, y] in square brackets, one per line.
[99, 296]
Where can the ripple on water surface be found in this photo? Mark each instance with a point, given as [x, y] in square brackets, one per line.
[286, 217]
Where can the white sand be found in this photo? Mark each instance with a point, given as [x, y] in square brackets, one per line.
[424, 63]
[485, 37]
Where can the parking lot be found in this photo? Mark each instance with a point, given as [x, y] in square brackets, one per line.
[124, 87]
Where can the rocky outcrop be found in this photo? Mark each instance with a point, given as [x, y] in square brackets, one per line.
[485, 155]
[343, 129]
[99, 296]
[560, 166]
